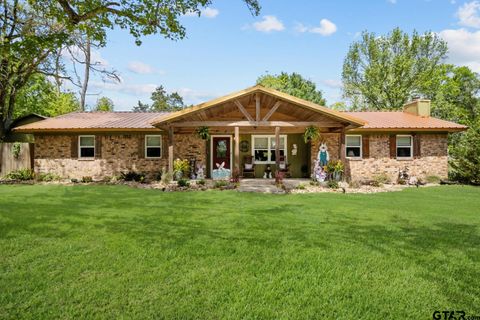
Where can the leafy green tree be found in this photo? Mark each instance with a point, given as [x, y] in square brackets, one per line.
[293, 84]
[161, 101]
[42, 97]
[33, 34]
[339, 106]
[383, 72]
[465, 156]
[104, 104]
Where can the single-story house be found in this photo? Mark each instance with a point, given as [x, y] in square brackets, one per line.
[245, 124]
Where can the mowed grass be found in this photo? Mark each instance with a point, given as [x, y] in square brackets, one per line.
[118, 252]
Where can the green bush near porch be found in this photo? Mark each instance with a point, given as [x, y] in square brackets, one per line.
[119, 252]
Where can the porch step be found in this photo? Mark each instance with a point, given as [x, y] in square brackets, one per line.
[259, 185]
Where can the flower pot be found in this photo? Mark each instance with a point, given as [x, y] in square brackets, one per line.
[178, 175]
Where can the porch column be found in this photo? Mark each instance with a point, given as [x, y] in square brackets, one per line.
[170, 150]
[342, 145]
[237, 148]
[277, 147]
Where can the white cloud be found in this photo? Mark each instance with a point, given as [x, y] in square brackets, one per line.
[192, 96]
[332, 83]
[392, 1]
[464, 47]
[326, 28]
[140, 67]
[131, 89]
[207, 13]
[75, 53]
[269, 24]
[468, 14]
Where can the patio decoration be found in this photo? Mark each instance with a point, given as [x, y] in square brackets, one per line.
[323, 156]
[311, 134]
[221, 149]
[200, 171]
[268, 172]
[203, 132]
[319, 173]
[193, 165]
[244, 146]
[294, 149]
[221, 173]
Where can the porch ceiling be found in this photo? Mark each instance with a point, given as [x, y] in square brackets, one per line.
[257, 107]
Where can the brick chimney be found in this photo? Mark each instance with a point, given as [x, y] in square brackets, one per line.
[418, 107]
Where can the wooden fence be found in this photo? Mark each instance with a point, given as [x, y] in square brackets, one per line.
[11, 160]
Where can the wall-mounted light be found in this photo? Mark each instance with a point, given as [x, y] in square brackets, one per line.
[294, 149]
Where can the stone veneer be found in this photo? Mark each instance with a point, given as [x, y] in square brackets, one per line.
[332, 141]
[433, 160]
[119, 153]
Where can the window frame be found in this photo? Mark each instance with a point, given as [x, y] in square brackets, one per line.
[360, 146]
[146, 146]
[269, 149]
[80, 147]
[397, 146]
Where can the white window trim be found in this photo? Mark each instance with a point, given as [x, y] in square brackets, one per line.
[397, 146]
[80, 146]
[269, 146]
[161, 146]
[361, 146]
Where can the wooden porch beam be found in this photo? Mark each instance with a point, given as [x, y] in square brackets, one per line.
[342, 145]
[257, 107]
[255, 124]
[271, 111]
[237, 148]
[170, 150]
[277, 148]
[243, 110]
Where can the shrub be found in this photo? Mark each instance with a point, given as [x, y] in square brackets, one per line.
[355, 184]
[74, 180]
[87, 179]
[235, 176]
[22, 175]
[301, 186]
[279, 177]
[220, 184]
[183, 183]
[332, 184]
[432, 179]
[201, 182]
[47, 177]
[380, 179]
[132, 176]
[181, 166]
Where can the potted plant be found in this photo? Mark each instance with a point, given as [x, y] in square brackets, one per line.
[180, 167]
[203, 133]
[311, 134]
[338, 170]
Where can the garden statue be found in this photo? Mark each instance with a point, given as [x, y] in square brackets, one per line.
[319, 173]
[323, 155]
[221, 173]
[200, 171]
[268, 173]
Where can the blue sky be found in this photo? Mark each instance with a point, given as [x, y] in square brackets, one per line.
[227, 48]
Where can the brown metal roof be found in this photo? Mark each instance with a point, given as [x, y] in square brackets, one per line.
[95, 121]
[398, 120]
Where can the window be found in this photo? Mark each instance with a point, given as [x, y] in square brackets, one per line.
[353, 146]
[404, 146]
[263, 148]
[153, 146]
[86, 146]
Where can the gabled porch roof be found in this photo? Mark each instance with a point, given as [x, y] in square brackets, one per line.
[257, 106]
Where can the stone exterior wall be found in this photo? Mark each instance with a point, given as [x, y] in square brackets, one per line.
[332, 141]
[432, 161]
[119, 153]
[187, 146]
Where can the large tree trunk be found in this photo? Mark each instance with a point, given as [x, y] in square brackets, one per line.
[83, 92]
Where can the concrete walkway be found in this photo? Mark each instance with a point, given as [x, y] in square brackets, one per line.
[267, 185]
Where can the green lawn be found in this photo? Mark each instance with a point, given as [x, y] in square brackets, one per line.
[118, 252]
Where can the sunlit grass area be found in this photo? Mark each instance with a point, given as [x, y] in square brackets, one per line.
[112, 252]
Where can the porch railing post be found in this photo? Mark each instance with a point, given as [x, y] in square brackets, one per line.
[170, 149]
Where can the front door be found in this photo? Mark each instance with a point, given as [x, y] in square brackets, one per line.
[221, 152]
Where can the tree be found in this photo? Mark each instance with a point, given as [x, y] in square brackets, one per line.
[339, 106]
[293, 84]
[42, 97]
[161, 101]
[104, 104]
[33, 32]
[382, 73]
[465, 154]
